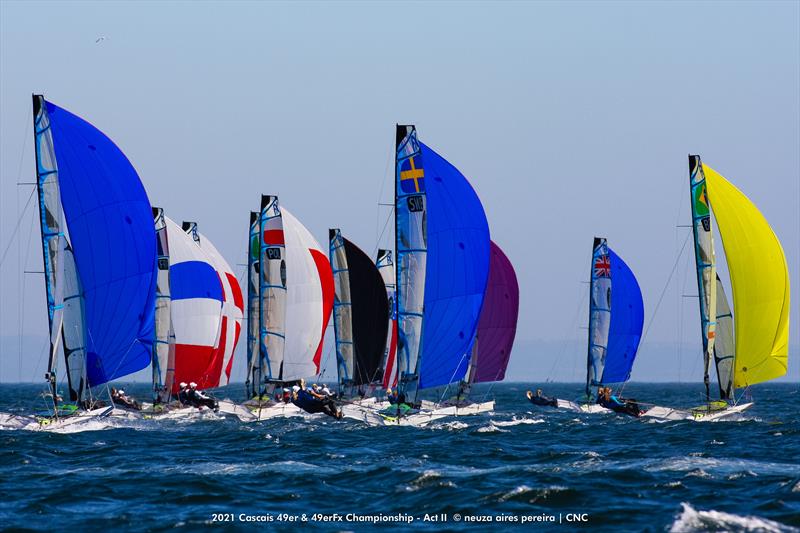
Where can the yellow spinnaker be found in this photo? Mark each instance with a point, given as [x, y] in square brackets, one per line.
[760, 279]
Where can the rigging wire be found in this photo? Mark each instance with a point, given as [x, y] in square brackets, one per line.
[660, 299]
[16, 228]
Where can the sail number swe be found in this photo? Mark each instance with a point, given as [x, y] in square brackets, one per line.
[416, 203]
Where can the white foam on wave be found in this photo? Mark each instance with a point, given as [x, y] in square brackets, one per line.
[428, 478]
[725, 466]
[690, 520]
[538, 493]
[452, 426]
[517, 421]
[491, 428]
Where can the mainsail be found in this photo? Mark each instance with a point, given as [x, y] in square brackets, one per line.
[497, 326]
[443, 264]
[164, 346]
[342, 310]
[411, 243]
[296, 296]
[111, 235]
[599, 312]
[705, 261]
[385, 266]
[760, 279]
[253, 305]
[272, 290]
[361, 313]
[616, 318]
[724, 344]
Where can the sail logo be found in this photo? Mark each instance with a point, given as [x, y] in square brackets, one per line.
[412, 179]
[602, 267]
[416, 204]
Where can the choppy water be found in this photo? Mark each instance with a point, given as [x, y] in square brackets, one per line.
[624, 474]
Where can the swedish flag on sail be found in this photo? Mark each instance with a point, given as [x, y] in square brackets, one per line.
[412, 175]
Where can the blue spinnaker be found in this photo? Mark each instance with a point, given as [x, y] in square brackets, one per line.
[456, 273]
[627, 319]
[111, 229]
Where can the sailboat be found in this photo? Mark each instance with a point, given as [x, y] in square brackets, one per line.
[442, 251]
[360, 318]
[497, 327]
[99, 254]
[616, 318]
[198, 313]
[750, 345]
[290, 297]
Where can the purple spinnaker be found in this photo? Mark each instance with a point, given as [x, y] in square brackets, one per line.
[498, 321]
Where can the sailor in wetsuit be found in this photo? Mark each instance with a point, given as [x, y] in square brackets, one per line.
[200, 399]
[183, 393]
[311, 401]
[539, 399]
[609, 401]
[391, 396]
[119, 397]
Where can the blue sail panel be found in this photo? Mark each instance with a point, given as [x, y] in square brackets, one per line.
[111, 229]
[457, 272]
[627, 319]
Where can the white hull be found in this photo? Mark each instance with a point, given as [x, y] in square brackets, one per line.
[248, 413]
[470, 408]
[183, 413]
[372, 416]
[590, 408]
[732, 413]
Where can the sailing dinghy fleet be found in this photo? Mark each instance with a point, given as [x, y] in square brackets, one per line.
[128, 287]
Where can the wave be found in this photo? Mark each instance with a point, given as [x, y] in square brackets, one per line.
[517, 421]
[691, 520]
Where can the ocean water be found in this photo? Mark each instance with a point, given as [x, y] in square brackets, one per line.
[556, 470]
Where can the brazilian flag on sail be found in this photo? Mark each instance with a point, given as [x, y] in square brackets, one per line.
[700, 199]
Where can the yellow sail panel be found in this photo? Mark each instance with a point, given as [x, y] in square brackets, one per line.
[760, 279]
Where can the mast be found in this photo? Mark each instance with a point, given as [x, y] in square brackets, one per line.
[705, 262]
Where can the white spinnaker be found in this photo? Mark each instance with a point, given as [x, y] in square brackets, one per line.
[230, 310]
[195, 320]
[304, 300]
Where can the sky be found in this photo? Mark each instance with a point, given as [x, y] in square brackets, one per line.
[570, 120]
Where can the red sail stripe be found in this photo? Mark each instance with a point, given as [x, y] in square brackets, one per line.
[273, 237]
[326, 282]
[238, 301]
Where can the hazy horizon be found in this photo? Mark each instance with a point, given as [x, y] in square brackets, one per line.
[569, 119]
